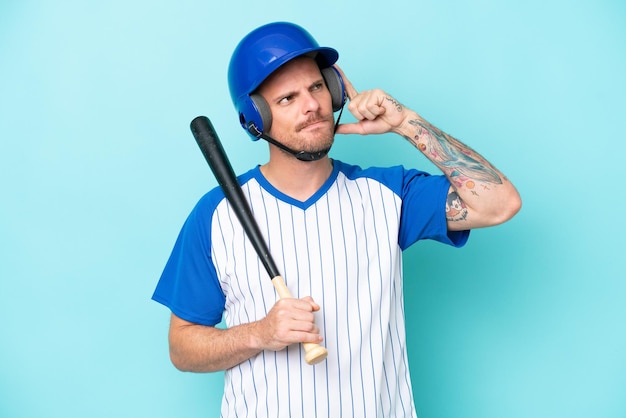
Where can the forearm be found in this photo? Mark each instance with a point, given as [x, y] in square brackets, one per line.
[199, 348]
[487, 196]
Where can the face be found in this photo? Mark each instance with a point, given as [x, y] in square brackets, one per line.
[302, 116]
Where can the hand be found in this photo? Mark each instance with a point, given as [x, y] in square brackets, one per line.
[376, 111]
[290, 321]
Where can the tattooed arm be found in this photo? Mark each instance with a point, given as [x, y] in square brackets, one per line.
[479, 196]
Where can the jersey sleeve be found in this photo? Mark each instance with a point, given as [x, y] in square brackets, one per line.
[189, 286]
[423, 214]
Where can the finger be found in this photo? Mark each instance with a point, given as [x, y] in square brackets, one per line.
[305, 337]
[350, 128]
[314, 306]
[305, 332]
[301, 316]
[371, 111]
[347, 85]
[287, 337]
[296, 328]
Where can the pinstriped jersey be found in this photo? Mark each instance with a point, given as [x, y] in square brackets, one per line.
[343, 247]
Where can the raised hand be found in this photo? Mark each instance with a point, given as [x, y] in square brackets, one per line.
[375, 110]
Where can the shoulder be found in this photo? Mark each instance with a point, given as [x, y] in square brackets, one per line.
[210, 200]
[396, 178]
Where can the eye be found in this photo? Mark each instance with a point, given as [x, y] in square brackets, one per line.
[317, 86]
[285, 99]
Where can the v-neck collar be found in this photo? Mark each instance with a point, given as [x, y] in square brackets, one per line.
[260, 178]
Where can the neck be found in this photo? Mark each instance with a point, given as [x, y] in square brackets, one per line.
[297, 179]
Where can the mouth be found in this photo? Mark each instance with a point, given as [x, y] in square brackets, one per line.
[311, 125]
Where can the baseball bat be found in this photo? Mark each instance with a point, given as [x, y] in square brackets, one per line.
[214, 153]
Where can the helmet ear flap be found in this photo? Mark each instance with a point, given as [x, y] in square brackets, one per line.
[263, 109]
[335, 86]
[254, 115]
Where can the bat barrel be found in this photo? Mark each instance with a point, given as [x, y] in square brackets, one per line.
[214, 153]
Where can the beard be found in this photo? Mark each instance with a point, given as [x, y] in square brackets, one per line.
[319, 139]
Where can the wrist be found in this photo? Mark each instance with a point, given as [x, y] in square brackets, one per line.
[408, 128]
[254, 332]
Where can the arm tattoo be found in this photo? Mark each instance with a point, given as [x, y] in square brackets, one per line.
[462, 165]
[455, 208]
[396, 103]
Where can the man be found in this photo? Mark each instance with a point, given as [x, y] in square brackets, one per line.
[336, 231]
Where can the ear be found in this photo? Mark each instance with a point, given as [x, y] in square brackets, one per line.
[334, 82]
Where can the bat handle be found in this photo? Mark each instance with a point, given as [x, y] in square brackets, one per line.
[315, 353]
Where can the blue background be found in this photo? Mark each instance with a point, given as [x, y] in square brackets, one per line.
[99, 170]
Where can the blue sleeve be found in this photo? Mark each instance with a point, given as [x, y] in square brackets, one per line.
[189, 285]
[423, 213]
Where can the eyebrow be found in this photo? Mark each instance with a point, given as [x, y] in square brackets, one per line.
[289, 93]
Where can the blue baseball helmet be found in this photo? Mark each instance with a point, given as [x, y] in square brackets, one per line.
[262, 52]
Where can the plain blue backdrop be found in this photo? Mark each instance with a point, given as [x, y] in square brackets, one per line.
[99, 170]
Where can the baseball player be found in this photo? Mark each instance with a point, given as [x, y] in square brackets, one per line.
[337, 232]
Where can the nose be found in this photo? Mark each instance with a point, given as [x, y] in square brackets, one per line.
[311, 103]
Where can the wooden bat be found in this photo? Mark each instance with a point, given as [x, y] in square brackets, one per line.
[214, 153]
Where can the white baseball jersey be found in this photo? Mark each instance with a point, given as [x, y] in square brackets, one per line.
[343, 247]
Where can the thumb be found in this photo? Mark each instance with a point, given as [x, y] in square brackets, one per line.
[350, 128]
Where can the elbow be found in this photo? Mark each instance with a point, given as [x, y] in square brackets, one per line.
[185, 361]
[178, 361]
[509, 208]
[182, 357]
[499, 212]
[184, 346]
[514, 205]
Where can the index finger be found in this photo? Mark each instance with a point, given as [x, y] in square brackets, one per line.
[347, 85]
[314, 305]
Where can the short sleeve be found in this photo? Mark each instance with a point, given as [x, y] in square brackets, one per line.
[189, 285]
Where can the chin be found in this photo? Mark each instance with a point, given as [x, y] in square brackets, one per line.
[321, 145]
